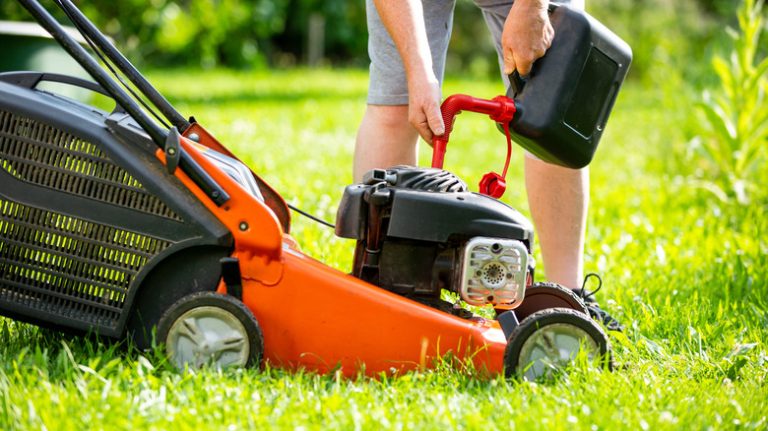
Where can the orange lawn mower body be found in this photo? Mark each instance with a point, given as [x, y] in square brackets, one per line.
[322, 319]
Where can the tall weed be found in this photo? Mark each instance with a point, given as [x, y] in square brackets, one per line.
[731, 138]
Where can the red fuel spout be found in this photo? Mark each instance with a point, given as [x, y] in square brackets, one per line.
[500, 108]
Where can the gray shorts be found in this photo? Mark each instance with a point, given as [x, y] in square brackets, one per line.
[388, 84]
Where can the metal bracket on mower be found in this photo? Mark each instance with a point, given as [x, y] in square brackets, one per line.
[172, 150]
[508, 322]
[230, 271]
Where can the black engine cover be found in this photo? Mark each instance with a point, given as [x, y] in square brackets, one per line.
[427, 204]
[411, 225]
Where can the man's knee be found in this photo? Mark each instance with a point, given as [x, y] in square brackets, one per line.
[389, 117]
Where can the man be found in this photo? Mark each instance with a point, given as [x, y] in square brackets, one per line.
[408, 40]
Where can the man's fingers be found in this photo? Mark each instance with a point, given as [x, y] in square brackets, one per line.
[522, 46]
[435, 120]
[424, 108]
[425, 131]
[549, 35]
[520, 62]
[509, 62]
[523, 64]
[428, 121]
[524, 69]
[419, 121]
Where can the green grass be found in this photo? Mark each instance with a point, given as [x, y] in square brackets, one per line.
[684, 273]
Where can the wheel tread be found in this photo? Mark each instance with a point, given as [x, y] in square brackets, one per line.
[228, 303]
[549, 316]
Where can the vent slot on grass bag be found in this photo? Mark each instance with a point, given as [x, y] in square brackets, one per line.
[46, 156]
[68, 267]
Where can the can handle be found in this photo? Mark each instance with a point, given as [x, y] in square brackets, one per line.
[516, 82]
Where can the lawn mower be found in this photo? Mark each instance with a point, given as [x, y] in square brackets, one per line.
[137, 223]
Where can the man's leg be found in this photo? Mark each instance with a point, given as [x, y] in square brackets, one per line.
[558, 198]
[384, 139]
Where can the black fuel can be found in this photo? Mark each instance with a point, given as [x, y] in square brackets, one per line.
[565, 102]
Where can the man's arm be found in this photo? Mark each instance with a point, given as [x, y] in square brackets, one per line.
[404, 19]
[527, 35]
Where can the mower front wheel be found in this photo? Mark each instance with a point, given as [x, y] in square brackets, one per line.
[550, 339]
[210, 329]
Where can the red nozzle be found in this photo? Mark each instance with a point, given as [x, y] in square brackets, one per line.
[439, 144]
[500, 109]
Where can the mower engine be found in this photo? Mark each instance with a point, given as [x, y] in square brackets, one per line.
[419, 230]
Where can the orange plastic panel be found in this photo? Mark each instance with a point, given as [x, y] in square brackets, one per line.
[273, 199]
[320, 318]
[257, 231]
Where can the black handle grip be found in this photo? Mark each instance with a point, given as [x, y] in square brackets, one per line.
[516, 83]
[32, 79]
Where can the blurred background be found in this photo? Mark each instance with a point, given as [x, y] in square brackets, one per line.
[699, 65]
[677, 224]
[256, 34]
[692, 116]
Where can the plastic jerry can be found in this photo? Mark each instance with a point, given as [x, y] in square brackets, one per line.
[564, 104]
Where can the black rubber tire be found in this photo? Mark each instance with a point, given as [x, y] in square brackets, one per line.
[195, 269]
[542, 296]
[544, 318]
[227, 303]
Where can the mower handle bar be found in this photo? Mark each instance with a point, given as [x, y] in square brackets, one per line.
[104, 45]
[158, 134]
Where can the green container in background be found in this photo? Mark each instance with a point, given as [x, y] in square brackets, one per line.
[26, 46]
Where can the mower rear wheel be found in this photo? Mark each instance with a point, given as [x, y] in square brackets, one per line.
[210, 329]
[550, 339]
[542, 296]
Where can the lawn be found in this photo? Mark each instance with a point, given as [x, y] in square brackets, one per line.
[685, 273]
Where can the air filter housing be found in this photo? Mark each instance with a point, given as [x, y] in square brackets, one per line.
[494, 271]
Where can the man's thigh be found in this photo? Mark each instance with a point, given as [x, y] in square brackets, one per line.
[388, 84]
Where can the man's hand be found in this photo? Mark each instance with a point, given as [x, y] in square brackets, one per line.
[527, 35]
[424, 106]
